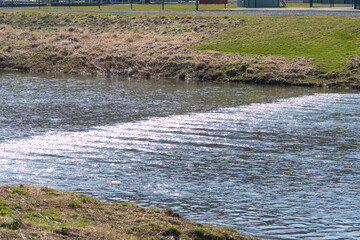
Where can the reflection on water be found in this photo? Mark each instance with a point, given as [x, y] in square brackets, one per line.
[272, 162]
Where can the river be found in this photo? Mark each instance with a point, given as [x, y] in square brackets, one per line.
[272, 162]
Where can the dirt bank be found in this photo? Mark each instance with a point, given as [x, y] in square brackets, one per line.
[29, 212]
[148, 46]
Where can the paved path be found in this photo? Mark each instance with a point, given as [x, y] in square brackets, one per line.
[336, 11]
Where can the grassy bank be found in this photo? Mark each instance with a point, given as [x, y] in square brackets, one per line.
[29, 212]
[288, 50]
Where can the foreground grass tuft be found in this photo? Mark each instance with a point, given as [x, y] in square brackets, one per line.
[46, 213]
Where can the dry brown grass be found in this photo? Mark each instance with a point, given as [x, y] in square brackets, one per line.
[141, 46]
[29, 212]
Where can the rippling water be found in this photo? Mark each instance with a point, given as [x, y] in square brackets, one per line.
[279, 163]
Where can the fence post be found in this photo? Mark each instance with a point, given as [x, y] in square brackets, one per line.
[69, 4]
[131, 4]
[162, 4]
[99, 3]
[225, 3]
[12, 3]
[39, 4]
[197, 5]
[311, 3]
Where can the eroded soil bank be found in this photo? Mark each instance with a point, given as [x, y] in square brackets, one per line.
[30, 212]
[150, 46]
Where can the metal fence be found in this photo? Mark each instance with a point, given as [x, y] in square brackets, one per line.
[20, 3]
[107, 2]
[331, 3]
[23, 3]
[70, 3]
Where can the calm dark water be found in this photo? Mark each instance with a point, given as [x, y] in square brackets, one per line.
[279, 163]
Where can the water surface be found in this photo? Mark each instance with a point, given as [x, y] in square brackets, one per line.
[279, 163]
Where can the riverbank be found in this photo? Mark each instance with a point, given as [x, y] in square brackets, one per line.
[201, 48]
[28, 211]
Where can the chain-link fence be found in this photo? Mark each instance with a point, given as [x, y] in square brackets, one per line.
[23, 3]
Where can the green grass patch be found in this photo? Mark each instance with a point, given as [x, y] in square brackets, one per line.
[5, 211]
[203, 233]
[73, 203]
[173, 230]
[19, 191]
[85, 199]
[126, 204]
[41, 213]
[329, 41]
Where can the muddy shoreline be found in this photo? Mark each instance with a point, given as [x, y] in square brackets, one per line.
[149, 46]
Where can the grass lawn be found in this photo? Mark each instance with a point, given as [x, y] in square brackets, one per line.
[329, 41]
